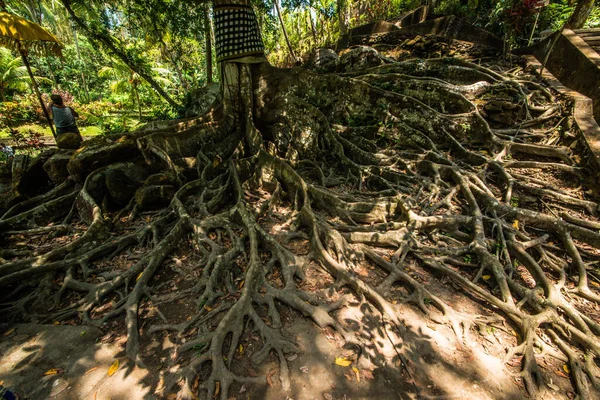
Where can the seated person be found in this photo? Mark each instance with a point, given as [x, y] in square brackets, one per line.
[64, 120]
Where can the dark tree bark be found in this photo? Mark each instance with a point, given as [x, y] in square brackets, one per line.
[109, 43]
[208, 39]
[287, 39]
[341, 9]
[580, 14]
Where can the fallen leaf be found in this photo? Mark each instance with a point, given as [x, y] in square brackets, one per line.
[344, 362]
[596, 284]
[113, 368]
[139, 276]
[516, 224]
[269, 375]
[243, 388]
[217, 389]
[348, 376]
[207, 308]
[241, 285]
[553, 387]
[487, 277]
[566, 369]
[252, 373]
[327, 396]
[241, 349]
[56, 323]
[9, 332]
[90, 370]
[560, 373]
[304, 369]
[357, 373]
[367, 374]
[53, 371]
[292, 357]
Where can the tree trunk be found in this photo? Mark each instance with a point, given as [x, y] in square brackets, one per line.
[137, 99]
[83, 80]
[111, 46]
[341, 9]
[287, 39]
[312, 25]
[208, 39]
[580, 14]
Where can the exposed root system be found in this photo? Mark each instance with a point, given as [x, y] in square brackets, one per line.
[468, 173]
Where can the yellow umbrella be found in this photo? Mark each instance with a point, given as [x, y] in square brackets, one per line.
[27, 37]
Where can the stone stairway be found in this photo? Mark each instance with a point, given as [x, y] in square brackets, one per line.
[591, 37]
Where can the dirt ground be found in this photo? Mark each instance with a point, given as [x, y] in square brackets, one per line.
[426, 362]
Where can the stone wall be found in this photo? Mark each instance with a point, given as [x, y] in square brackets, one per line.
[574, 63]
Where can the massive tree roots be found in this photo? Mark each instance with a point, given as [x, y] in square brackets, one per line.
[467, 173]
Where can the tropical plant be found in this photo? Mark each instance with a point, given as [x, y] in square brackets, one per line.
[125, 81]
[13, 74]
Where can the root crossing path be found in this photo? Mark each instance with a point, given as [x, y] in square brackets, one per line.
[427, 216]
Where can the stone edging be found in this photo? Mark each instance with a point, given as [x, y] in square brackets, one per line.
[589, 131]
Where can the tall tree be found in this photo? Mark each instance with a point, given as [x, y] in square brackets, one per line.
[103, 38]
[208, 33]
[284, 30]
[581, 14]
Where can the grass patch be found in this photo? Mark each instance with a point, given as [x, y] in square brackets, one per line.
[45, 130]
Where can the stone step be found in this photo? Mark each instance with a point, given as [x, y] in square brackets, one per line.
[592, 41]
[589, 30]
[588, 34]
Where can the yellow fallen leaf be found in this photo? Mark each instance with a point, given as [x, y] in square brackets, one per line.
[217, 389]
[241, 285]
[516, 224]
[357, 373]
[113, 368]
[596, 284]
[9, 332]
[52, 371]
[139, 276]
[566, 369]
[207, 308]
[56, 323]
[487, 277]
[241, 349]
[344, 362]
